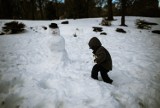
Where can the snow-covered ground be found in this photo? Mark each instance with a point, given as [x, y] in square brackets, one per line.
[41, 70]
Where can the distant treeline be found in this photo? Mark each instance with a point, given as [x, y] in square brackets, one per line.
[56, 9]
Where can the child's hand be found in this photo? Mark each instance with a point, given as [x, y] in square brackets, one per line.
[95, 56]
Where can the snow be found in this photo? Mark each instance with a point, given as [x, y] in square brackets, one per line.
[39, 69]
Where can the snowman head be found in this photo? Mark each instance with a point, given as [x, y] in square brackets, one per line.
[54, 29]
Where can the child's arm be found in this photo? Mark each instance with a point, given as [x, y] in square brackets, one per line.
[100, 56]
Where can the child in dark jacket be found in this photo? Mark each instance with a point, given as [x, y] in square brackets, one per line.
[102, 59]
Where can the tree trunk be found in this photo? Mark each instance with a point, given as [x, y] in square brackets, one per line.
[123, 2]
[87, 8]
[33, 9]
[110, 11]
[40, 7]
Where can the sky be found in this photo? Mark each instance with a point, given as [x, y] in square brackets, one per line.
[114, 0]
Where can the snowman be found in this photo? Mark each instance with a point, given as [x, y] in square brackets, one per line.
[57, 44]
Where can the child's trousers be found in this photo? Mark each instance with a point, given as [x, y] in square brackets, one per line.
[94, 74]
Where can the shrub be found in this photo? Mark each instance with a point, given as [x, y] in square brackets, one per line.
[105, 22]
[142, 24]
[13, 27]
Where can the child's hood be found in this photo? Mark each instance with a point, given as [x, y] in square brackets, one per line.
[94, 42]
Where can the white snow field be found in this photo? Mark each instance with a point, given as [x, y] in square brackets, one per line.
[42, 70]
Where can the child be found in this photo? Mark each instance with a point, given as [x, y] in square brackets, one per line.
[102, 59]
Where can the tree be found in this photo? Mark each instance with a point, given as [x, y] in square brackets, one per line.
[123, 9]
[40, 5]
[90, 8]
[33, 7]
[140, 7]
[110, 11]
[145, 8]
[50, 11]
[76, 8]
[28, 9]
[105, 6]
[56, 7]
[6, 9]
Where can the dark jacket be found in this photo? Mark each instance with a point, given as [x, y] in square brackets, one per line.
[102, 56]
